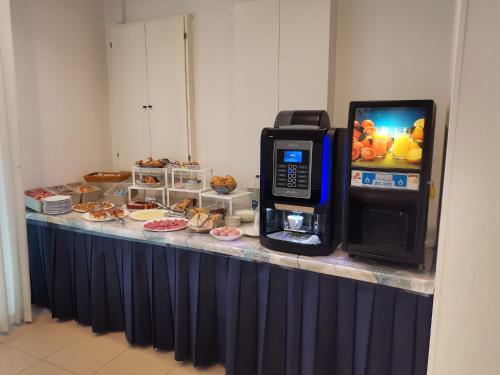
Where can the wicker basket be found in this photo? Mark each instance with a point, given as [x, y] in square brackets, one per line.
[107, 176]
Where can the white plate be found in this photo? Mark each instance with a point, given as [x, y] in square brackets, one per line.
[150, 185]
[87, 216]
[57, 198]
[251, 231]
[232, 238]
[164, 230]
[139, 214]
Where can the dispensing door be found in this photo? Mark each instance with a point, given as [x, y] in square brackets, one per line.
[383, 208]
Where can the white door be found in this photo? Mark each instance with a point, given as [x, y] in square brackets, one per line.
[167, 88]
[129, 121]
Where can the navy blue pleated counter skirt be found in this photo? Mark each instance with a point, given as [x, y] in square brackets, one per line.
[255, 318]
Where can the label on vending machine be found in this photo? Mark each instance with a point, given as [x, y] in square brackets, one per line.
[385, 180]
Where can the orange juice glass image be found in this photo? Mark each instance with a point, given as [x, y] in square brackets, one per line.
[401, 143]
[380, 144]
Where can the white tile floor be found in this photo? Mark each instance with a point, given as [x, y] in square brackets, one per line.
[50, 347]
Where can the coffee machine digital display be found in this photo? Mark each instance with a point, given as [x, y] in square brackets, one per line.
[301, 192]
[389, 179]
[292, 168]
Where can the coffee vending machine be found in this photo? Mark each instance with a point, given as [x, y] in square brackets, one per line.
[388, 179]
[302, 183]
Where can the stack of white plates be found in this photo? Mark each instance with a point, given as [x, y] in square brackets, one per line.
[58, 204]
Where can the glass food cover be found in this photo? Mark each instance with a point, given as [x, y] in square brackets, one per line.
[388, 137]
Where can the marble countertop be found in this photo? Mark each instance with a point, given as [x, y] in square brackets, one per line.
[337, 264]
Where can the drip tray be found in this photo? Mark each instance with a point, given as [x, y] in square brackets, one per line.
[295, 237]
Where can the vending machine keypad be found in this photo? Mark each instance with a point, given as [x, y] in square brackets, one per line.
[292, 177]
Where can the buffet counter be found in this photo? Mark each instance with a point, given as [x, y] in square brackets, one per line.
[337, 264]
[254, 310]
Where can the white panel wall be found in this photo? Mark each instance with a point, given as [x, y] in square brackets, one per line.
[466, 325]
[304, 54]
[62, 89]
[395, 49]
[255, 85]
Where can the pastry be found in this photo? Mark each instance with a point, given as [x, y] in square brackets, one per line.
[150, 180]
[92, 206]
[184, 204]
[104, 214]
[224, 184]
[151, 163]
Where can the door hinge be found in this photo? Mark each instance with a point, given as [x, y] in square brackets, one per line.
[110, 44]
[185, 35]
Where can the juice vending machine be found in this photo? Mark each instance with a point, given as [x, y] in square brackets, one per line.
[388, 179]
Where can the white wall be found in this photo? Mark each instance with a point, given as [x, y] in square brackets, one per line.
[466, 319]
[304, 52]
[254, 85]
[395, 49]
[62, 89]
[237, 77]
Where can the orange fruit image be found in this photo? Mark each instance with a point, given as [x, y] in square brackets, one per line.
[356, 124]
[367, 123]
[356, 133]
[358, 145]
[370, 130]
[389, 144]
[355, 153]
[368, 153]
[367, 142]
[418, 134]
[414, 155]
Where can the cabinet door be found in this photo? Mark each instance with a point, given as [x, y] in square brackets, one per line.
[166, 61]
[129, 120]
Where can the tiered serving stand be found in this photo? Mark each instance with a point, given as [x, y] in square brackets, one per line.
[139, 172]
[180, 175]
[224, 198]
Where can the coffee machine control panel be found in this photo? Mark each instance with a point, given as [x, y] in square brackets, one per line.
[292, 168]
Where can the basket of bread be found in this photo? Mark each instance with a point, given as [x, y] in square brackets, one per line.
[223, 185]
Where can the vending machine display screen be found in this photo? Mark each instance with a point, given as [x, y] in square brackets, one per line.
[292, 156]
[388, 137]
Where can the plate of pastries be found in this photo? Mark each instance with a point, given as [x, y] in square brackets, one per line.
[151, 163]
[110, 214]
[150, 181]
[92, 206]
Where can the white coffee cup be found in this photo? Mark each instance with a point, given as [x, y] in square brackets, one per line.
[295, 221]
